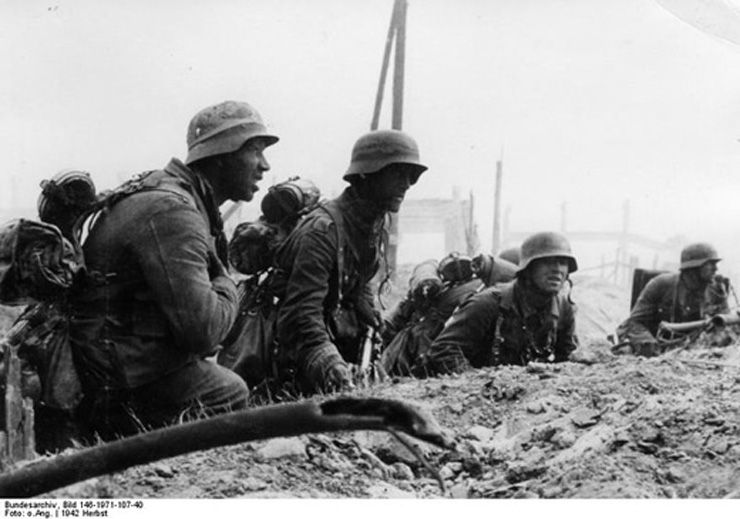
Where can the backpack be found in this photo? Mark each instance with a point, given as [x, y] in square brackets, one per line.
[37, 263]
[41, 263]
[250, 349]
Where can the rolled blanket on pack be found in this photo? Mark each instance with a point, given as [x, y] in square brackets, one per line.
[36, 262]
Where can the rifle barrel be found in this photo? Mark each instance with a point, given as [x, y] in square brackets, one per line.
[683, 327]
[726, 319]
[718, 320]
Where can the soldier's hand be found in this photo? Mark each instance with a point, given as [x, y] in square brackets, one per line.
[338, 377]
[647, 349]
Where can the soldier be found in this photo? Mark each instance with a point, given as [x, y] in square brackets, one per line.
[158, 298]
[417, 320]
[694, 293]
[528, 319]
[328, 261]
[414, 323]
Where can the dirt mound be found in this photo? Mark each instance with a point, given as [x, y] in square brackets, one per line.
[617, 427]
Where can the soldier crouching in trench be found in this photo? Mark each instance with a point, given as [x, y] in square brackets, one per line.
[435, 291]
[328, 262]
[528, 319]
[692, 294]
[158, 298]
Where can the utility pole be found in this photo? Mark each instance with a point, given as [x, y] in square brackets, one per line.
[397, 34]
[624, 240]
[471, 234]
[400, 68]
[384, 68]
[496, 243]
[564, 217]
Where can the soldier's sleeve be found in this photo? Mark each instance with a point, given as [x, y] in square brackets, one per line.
[174, 251]
[367, 313]
[301, 327]
[644, 317]
[467, 335]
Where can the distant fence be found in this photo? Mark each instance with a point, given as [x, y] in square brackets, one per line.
[617, 272]
[622, 244]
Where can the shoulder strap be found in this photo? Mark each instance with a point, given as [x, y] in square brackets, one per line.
[145, 181]
[674, 306]
[339, 225]
[497, 339]
[496, 346]
[142, 182]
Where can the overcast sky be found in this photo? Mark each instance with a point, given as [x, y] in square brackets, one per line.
[589, 102]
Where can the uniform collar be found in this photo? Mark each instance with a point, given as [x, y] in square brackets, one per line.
[360, 213]
[205, 199]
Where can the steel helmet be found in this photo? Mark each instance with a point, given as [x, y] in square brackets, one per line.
[512, 255]
[70, 191]
[546, 245]
[380, 148]
[697, 254]
[224, 128]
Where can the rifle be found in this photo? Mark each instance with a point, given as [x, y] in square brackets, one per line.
[710, 323]
[369, 369]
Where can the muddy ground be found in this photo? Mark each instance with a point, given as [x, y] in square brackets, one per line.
[600, 426]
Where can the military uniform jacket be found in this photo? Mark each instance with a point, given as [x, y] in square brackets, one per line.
[498, 326]
[668, 297]
[311, 286]
[149, 305]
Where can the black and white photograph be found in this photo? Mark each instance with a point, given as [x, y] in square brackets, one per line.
[470, 254]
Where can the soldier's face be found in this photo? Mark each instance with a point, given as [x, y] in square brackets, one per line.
[247, 167]
[707, 271]
[549, 274]
[390, 185]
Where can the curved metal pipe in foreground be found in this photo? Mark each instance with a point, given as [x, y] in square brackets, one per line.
[292, 419]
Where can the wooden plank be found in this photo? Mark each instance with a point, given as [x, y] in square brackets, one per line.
[4, 462]
[29, 438]
[3, 383]
[14, 407]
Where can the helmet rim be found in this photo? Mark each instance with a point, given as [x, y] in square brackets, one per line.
[378, 149]
[546, 245]
[224, 128]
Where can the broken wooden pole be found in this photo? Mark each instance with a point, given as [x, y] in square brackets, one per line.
[16, 412]
[293, 419]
